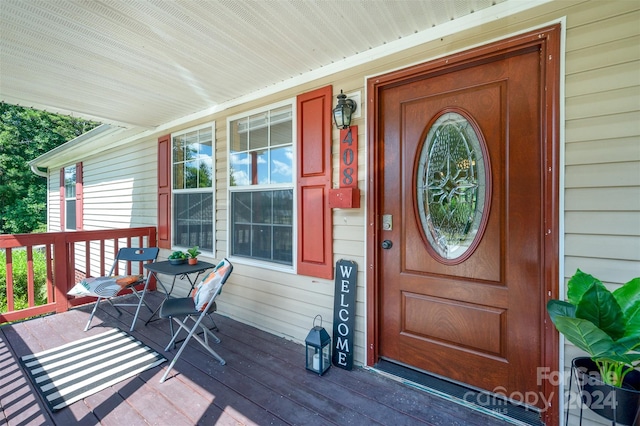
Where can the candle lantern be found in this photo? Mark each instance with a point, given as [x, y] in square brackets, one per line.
[318, 344]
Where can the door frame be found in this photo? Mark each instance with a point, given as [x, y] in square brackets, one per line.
[548, 40]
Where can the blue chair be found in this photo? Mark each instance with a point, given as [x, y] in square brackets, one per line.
[109, 290]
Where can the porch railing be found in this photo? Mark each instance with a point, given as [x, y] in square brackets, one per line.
[69, 257]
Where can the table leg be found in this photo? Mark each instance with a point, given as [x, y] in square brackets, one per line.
[167, 294]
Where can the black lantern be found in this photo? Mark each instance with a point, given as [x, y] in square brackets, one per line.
[318, 349]
[343, 111]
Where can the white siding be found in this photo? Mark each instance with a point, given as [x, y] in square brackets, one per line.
[124, 183]
[53, 201]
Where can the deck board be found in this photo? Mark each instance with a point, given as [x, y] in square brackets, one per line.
[263, 382]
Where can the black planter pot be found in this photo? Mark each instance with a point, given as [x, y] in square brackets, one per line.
[620, 405]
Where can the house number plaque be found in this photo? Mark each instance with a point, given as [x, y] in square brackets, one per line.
[347, 196]
[344, 313]
[349, 157]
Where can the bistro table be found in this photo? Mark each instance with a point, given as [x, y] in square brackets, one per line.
[183, 270]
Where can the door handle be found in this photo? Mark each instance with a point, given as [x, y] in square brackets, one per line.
[387, 244]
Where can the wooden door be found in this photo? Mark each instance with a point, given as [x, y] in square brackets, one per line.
[463, 217]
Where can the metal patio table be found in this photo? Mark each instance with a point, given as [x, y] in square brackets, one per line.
[183, 270]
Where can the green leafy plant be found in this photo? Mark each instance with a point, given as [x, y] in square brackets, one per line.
[20, 279]
[193, 252]
[606, 325]
[178, 255]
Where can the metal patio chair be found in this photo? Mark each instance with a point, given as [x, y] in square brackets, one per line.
[195, 308]
[108, 290]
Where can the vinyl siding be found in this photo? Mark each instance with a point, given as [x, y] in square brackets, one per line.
[602, 152]
[123, 182]
[53, 201]
[602, 180]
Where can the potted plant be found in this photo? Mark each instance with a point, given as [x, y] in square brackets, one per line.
[193, 255]
[606, 325]
[177, 257]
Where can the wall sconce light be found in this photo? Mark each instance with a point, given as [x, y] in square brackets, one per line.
[343, 111]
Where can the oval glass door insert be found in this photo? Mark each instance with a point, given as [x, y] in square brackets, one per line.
[451, 186]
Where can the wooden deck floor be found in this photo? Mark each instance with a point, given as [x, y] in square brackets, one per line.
[263, 383]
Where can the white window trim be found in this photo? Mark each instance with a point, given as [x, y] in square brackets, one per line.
[294, 185]
[211, 125]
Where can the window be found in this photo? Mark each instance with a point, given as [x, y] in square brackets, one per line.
[261, 184]
[70, 198]
[193, 188]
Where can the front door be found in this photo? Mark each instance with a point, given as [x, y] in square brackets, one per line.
[465, 213]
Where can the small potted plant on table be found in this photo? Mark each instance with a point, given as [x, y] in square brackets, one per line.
[193, 255]
[606, 325]
[177, 258]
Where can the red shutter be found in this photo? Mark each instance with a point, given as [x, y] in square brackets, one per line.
[62, 203]
[315, 245]
[164, 192]
[79, 197]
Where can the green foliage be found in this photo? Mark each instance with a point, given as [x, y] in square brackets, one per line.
[193, 252]
[19, 260]
[178, 255]
[605, 325]
[25, 134]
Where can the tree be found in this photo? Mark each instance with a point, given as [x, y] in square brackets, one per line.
[25, 134]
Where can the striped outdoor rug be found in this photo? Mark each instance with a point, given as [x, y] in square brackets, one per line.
[73, 371]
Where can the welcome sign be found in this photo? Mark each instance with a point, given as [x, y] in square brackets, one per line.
[344, 313]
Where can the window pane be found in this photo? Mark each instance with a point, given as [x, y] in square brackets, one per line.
[193, 218]
[239, 131]
[260, 166]
[261, 242]
[281, 126]
[267, 158]
[191, 147]
[282, 244]
[178, 148]
[70, 182]
[254, 233]
[205, 146]
[205, 173]
[283, 207]
[258, 131]
[241, 245]
[262, 207]
[191, 174]
[239, 169]
[70, 214]
[281, 165]
[241, 207]
[178, 176]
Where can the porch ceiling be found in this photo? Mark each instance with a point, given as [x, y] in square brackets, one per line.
[145, 63]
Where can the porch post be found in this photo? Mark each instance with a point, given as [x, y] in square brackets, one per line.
[60, 272]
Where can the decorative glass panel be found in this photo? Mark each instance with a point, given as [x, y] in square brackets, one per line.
[450, 185]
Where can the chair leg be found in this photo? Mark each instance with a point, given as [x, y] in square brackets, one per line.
[140, 303]
[215, 327]
[93, 312]
[192, 333]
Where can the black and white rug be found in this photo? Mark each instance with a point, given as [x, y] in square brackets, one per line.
[73, 371]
